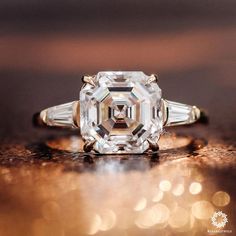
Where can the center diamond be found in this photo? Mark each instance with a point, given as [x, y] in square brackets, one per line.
[120, 112]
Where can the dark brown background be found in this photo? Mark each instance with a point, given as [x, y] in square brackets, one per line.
[45, 48]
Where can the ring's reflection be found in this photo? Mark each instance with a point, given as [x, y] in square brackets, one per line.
[75, 143]
[70, 147]
[172, 147]
[169, 144]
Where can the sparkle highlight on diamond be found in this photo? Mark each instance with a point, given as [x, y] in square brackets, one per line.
[120, 111]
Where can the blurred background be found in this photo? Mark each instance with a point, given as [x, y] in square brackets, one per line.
[47, 187]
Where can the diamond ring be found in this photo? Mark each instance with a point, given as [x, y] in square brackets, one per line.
[120, 112]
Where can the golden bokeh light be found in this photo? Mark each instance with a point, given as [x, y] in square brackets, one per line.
[179, 217]
[202, 209]
[161, 212]
[108, 220]
[145, 219]
[195, 188]
[165, 185]
[158, 214]
[158, 196]
[109, 200]
[221, 199]
[141, 204]
[94, 224]
[178, 190]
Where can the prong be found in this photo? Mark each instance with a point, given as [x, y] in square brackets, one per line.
[153, 145]
[88, 146]
[153, 78]
[88, 79]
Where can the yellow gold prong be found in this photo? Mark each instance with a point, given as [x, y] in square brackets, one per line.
[152, 78]
[88, 146]
[88, 79]
[153, 145]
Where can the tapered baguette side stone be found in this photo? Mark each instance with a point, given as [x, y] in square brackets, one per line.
[180, 114]
[61, 115]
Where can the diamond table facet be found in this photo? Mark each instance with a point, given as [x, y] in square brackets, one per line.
[120, 111]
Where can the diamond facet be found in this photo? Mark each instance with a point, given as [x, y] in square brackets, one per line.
[120, 112]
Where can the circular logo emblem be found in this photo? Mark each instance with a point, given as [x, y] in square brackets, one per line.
[219, 219]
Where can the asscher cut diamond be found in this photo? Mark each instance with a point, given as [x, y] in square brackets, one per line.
[120, 111]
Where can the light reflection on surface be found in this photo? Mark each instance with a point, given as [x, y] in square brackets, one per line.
[111, 195]
[75, 143]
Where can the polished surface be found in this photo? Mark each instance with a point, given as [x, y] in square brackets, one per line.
[48, 187]
[52, 188]
[121, 111]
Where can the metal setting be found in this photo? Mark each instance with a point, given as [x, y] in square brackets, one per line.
[88, 146]
[88, 79]
[152, 78]
[153, 146]
[120, 112]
